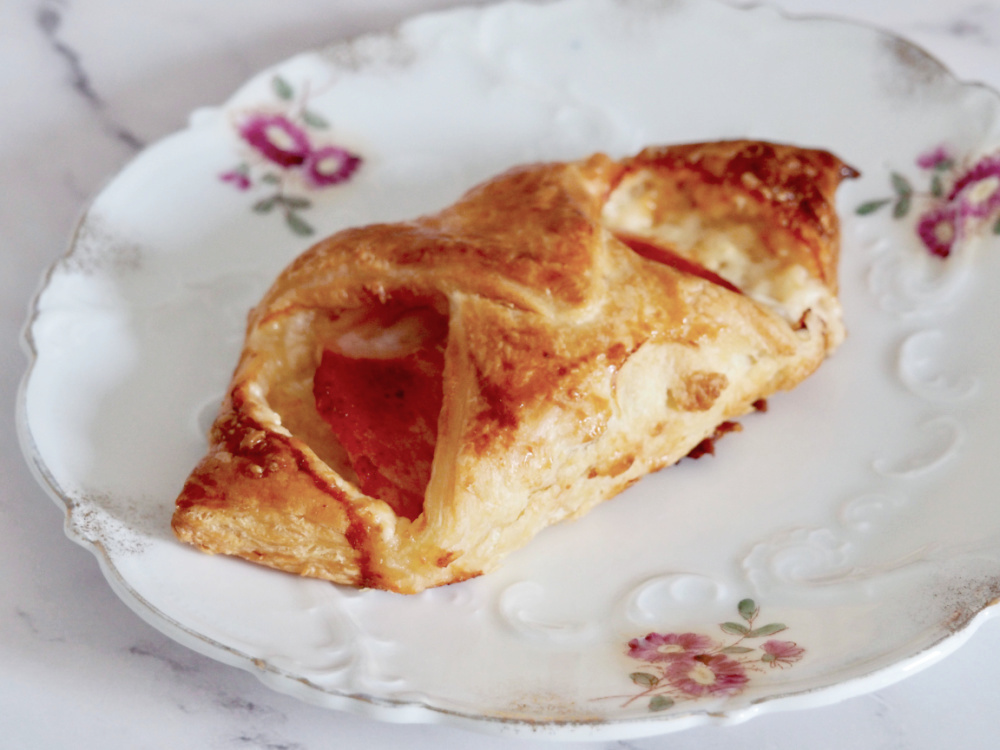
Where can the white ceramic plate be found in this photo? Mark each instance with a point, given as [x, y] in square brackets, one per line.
[855, 521]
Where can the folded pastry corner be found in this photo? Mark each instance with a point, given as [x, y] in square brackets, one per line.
[415, 401]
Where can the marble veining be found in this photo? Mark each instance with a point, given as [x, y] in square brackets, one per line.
[49, 19]
[976, 23]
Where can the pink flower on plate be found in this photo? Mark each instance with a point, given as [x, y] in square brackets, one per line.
[330, 165]
[936, 158]
[939, 229]
[978, 190]
[237, 177]
[707, 675]
[988, 166]
[277, 138]
[657, 647]
[781, 653]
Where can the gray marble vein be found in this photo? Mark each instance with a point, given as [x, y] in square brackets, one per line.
[49, 20]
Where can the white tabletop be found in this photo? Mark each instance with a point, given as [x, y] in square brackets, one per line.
[88, 83]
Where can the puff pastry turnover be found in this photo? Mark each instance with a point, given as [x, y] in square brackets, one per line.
[414, 401]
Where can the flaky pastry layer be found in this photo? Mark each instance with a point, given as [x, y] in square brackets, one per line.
[603, 318]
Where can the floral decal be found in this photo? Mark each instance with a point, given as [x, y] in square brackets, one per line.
[287, 158]
[960, 200]
[685, 666]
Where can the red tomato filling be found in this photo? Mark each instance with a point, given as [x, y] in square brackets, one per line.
[668, 257]
[384, 412]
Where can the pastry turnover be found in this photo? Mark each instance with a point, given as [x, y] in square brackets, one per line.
[414, 401]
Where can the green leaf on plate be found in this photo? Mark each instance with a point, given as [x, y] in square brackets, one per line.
[294, 201]
[902, 207]
[736, 650]
[872, 206]
[282, 88]
[314, 120]
[996, 226]
[264, 206]
[901, 185]
[937, 187]
[774, 627]
[734, 628]
[748, 609]
[645, 679]
[298, 225]
[660, 703]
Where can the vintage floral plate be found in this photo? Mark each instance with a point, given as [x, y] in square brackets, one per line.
[844, 539]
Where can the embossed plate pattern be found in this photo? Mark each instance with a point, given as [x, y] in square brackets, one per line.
[843, 539]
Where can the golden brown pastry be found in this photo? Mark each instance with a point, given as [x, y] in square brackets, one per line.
[414, 401]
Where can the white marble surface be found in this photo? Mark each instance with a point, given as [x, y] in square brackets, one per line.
[87, 83]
